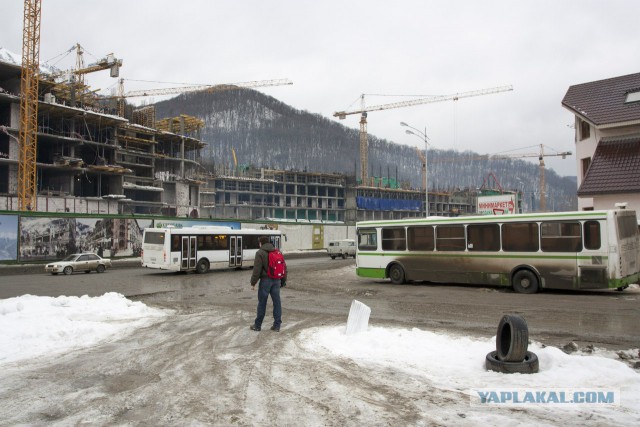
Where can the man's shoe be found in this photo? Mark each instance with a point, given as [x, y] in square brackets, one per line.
[254, 328]
[275, 328]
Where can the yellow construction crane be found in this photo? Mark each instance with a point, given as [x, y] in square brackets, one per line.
[176, 90]
[363, 110]
[541, 155]
[28, 134]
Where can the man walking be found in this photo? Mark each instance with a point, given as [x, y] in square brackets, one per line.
[268, 286]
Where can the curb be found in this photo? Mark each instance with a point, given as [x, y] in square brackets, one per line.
[17, 269]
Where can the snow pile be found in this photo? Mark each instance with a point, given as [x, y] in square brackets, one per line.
[35, 326]
[450, 362]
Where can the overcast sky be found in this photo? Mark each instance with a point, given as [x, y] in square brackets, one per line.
[334, 51]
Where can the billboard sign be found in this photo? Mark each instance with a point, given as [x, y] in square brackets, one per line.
[500, 204]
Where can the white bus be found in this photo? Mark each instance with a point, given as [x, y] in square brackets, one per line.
[201, 248]
[529, 252]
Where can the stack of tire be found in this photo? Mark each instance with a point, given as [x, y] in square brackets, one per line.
[512, 342]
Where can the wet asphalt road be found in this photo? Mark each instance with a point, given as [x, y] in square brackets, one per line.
[324, 288]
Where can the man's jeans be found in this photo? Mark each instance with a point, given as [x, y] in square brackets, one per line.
[268, 287]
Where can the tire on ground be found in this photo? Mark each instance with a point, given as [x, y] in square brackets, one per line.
[529, 365]
[512, 338]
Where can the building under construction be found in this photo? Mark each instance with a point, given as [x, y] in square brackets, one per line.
[98, 156]
[91, 160]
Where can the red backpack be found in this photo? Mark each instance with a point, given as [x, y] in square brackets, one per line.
[277, 268]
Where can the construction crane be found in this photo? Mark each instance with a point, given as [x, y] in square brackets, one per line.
[364, 149]
[109, 62]
[176, 90]
[28, 134]
[541, 155]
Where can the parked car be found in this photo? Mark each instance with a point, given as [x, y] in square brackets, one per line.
[79, 262]
[342, 248]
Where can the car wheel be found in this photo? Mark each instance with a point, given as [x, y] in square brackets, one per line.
[87, 271]
[525, 282]
[68, 270]
[100, 268]
[512, 339]
[396, 274]
[530, 364]
[344, 256]
[202, 266]
[333, 257]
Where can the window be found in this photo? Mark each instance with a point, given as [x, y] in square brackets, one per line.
[483, 237]
[560, 236]
[212, 242]
[450, 238]
[367, 239]
[248, 242]
[394, 239]
[627, 226]
[520, 237]
[175, 243]
[421, 238]
[591, 235]
[154, 237]
[633, 96]
[585, 130]
[586, 162]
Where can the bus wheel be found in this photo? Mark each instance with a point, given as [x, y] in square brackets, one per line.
[512, 339]
[202, 266]
[396, 274]
[525, 282]
[529, 365]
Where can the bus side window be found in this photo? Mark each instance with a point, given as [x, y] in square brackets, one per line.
[558, 236]
[367, 239]
[483, 237]
[592, 235]
[520, 237]
[450, 238]
[175, 243]
[394, 239]
[421, 238]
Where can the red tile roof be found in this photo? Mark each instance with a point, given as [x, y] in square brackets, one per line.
[615, 167]
[603, 102]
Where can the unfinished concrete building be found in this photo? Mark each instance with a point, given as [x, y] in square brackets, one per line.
[90, 160]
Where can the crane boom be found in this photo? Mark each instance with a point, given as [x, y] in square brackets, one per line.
[212, 88]
[541, 155]
[27, 184]
[364, 149]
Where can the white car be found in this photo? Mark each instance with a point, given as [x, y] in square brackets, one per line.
[86, 262]
[342, 248]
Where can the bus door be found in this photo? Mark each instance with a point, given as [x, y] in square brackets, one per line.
[275, 240]
[235, 251]
[188, 252]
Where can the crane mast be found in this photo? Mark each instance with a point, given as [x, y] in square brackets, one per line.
[29, 105]
[364, 149]
[541, 155]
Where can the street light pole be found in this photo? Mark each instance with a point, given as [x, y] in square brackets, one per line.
[423, 136]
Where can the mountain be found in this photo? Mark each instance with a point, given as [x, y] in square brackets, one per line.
[265, 132]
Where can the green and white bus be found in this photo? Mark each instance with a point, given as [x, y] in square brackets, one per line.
[529, 252]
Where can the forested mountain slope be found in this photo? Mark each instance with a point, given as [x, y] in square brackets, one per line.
[265, 132]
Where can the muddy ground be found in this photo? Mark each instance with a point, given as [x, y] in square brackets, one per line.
[201, 365]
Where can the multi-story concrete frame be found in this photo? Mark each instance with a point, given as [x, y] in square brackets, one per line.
[91, 161]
